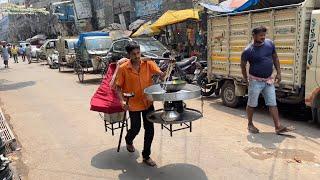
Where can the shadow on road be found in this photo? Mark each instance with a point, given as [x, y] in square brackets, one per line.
[67, 71]
[15, 86]
[95, 81]
[131, 169]
[268, 139]
[298, 117]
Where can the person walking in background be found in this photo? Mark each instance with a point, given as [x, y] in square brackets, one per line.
[22, 53]
[5, 56]
[28, 53]
[9, 50]
[262, 57]
[14, 52]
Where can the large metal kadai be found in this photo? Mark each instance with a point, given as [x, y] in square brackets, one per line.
[157, 93]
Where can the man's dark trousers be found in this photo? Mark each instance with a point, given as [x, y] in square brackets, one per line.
[135, 119]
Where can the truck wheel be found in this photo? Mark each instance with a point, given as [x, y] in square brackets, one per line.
[316, 115]
[228, 95]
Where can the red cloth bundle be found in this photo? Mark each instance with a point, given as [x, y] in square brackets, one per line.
[106, 99]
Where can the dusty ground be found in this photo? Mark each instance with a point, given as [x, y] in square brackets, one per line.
[62, 139]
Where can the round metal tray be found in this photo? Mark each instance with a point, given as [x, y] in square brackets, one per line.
[156, 93]
[187, 116]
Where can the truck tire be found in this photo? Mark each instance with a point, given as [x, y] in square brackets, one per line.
[228, 95]
[316, 116]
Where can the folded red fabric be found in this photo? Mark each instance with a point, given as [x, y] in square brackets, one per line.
[106, 99]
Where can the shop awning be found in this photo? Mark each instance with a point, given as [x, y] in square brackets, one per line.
[146, 29]
[173, 17]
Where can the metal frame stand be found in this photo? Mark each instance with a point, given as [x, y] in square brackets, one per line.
[186, 125]
[114, 126]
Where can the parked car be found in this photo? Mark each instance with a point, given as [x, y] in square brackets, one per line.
[34, 50]
[150, 47]
[47, 49]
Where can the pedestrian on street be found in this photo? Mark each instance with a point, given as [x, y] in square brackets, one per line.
[262, 56]
[22, 53]
[28, 53]
[5, 56]
[9, 50]
[134, 76]
[14, 52]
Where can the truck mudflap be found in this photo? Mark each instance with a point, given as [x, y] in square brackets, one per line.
[293, 99]
[240, 88]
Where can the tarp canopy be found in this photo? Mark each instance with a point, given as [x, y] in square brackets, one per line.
[242, 5]
[274, 3]
[39, 37]
[173, 17]
[230, 5]
[136, 24]
[90, 34]
[146, 29]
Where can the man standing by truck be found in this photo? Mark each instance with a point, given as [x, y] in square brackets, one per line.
[262, 56]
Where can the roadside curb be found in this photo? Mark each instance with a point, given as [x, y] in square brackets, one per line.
[6, 134]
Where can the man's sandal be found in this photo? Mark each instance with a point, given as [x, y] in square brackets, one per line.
[131, 148]
[284, 129]
[149, 162]
[253, 130]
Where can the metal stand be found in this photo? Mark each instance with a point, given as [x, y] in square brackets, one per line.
[185, 120]
[114, 126]
[186, 125]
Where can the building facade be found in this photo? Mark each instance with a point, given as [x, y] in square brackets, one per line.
[102, 13]
[152, 9]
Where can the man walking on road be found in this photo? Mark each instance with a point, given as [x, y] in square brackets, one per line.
[28, 53]
[262, 56]
[5, 56]
[22, 53]
[14, 52]
[134, 76]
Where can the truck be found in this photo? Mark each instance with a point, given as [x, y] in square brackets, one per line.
[293, 28]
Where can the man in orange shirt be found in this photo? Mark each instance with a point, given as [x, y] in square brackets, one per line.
[134, 76]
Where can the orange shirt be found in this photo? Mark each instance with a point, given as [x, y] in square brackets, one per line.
[131, 81]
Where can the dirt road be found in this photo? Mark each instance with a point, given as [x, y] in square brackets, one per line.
[62, 139]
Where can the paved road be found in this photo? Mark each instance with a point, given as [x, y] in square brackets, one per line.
[62, 139]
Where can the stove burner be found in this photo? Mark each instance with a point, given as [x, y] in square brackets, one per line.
[172, 110]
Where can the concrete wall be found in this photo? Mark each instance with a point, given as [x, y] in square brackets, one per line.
[40, 3]
[4, 25]
[103, 13]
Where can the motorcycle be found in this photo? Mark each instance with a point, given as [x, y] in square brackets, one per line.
[195, 72]
[53, 60]
[188, 69]
[207, 89]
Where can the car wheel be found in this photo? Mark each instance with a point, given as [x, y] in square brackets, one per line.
[228, 95]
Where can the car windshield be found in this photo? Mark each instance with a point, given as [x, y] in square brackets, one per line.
[24, 44]
[71, 43]
[98, 44]
[149, 45]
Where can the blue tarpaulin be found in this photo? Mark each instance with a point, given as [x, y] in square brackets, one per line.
[89, 34]
[230, 5]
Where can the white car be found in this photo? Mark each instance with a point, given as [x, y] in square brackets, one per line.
[34, 50]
